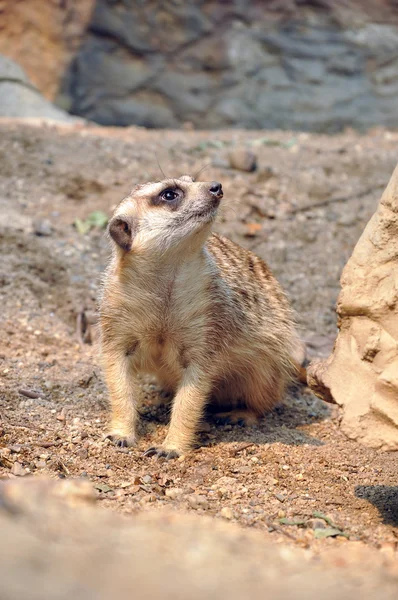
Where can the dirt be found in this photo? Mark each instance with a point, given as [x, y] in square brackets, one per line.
[52, 532]
[302, 210]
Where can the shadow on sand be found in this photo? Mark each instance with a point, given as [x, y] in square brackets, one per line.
[280, 425]
[384, 498]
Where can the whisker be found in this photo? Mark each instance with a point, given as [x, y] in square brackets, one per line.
[160, 168]
[202, 169]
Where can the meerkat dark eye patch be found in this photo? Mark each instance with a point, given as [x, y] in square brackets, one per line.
[122, 232]
[171, 197]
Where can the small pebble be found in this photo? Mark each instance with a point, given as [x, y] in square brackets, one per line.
[264, 174]
[173, 493]
[42, 227]
[18, 470]
[16, 448]
[82, 453]
[198, 501]
[242, 160]
[62, 415]
[316, 524]
[227, 513]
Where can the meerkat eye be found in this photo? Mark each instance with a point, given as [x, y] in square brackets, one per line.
[169, 195]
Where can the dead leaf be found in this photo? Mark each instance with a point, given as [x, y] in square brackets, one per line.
[320, 534]
[285, 521]
[325, 518]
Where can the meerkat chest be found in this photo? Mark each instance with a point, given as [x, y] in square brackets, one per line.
[167, 324]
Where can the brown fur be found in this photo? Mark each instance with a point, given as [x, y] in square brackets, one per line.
[203, 315]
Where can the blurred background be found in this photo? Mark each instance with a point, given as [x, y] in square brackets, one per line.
[314, 65]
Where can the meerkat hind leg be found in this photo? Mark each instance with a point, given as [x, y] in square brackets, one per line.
[236, 416]
[228, 404]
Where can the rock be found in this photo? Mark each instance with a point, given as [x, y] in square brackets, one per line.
[316, 524]
[198, 501]
[18, 97]
[242, 160]
[280, 497]
[319, 345]
[44, 41]
[264, 174]
[173, 493]
[15, 448]
[40, 464]
[361, 373]
[42, 227]
[53, 533]
[226, 480]
[227, 513]
[82, 453]
[62, 415]
[11, 71]
[37, 492]
[318, 66]
[18, 470]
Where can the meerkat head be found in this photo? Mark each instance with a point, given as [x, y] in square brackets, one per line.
[164, 215]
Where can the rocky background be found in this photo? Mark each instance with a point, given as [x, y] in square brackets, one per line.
[316, 65]
[43, 36]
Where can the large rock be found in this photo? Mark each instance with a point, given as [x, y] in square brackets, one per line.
[55, 545]
[18, 97]
[43, 37]
[362, 373]
[317, 66]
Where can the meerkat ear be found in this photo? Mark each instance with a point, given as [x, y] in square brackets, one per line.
[122, 232]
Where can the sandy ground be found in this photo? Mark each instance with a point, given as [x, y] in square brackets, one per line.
[293, 475]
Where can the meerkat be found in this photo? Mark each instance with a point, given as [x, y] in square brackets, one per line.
[204, 316]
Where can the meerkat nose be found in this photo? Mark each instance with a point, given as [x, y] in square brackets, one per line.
[216, 189]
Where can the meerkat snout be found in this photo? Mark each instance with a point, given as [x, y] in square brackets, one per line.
[216, 189]
[216, 192]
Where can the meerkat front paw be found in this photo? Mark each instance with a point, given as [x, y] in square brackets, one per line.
[120, 440]
[162, 452]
